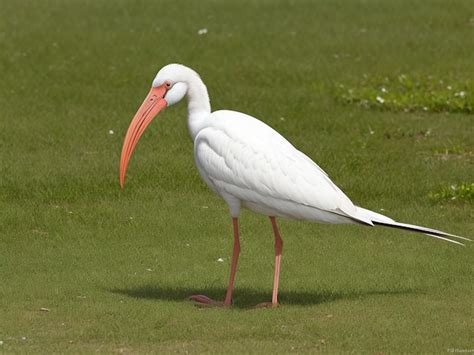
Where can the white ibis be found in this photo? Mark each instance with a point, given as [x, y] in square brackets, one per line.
[251, 165]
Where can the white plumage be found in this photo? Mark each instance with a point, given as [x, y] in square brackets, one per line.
[250, 165]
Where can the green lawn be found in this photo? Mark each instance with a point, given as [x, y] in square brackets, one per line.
[112, 268]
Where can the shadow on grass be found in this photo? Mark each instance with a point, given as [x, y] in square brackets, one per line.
[246, 298]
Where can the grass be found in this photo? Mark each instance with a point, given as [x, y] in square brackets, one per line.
[113, 268]
[463, 192]
[407, 93]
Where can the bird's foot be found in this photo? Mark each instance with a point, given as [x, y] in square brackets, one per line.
[267, 305]
[204, 301]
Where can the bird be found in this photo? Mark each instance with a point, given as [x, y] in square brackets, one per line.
[250, 165]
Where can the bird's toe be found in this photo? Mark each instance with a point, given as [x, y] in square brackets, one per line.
[204, 301]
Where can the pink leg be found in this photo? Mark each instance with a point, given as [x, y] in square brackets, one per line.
[278, 250]
[235, 259]
[276, 275]
[204, 300]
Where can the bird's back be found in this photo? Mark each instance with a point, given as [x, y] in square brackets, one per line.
[241, 156]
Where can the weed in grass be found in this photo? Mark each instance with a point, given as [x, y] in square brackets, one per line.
[459, 192]
[454, 152]
[451, 150]
[408, 93]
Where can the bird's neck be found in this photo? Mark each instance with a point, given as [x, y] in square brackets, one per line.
[199, 107]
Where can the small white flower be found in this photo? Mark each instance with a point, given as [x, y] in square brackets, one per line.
[462, 93]
[425, 108]
[202, 31]
[383, 89]
[1, 342]
[220, 260]
[205, 206]
[187, 245]
[282, 118]
[449, 87]
[111, 131]
[23, 338]
[380, 99]
[149, 270]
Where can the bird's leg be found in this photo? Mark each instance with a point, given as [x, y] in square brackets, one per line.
[235, 259]
[278, 251]
[204, 300]
[276, 275]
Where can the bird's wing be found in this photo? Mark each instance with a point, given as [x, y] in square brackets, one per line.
[247, 159]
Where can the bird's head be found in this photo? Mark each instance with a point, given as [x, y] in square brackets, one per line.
[168, 88]
[173, 78]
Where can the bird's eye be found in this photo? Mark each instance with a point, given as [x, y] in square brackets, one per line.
[168, 84]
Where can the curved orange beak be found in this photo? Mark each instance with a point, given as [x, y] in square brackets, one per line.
[153, 104]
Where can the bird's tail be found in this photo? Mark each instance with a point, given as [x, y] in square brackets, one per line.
[381, 220]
